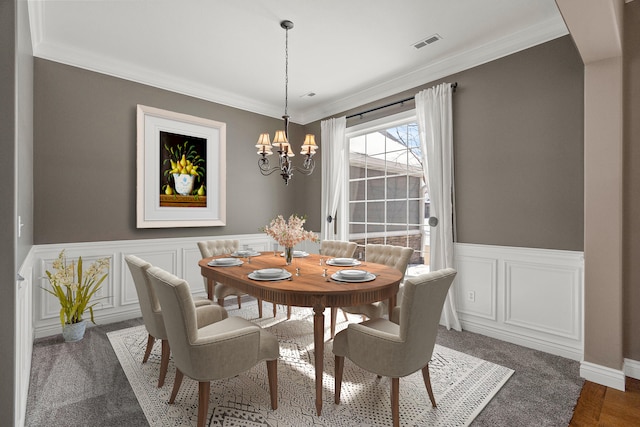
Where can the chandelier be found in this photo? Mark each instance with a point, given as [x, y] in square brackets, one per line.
[281, 137]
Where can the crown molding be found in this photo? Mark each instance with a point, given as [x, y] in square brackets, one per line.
[528, 37]
[511, 43]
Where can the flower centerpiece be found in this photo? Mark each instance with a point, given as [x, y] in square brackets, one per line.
[289, 233]
[75, 288]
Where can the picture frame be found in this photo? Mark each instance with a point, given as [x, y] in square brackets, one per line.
[181, 170]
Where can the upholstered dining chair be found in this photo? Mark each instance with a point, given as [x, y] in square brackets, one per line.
[400, 347]
[392, 256]
[152, 314]
[337, 248]
[220, 350]
[209, 248]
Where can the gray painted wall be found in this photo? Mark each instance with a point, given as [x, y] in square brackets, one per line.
[631, 220]
[7, 207]
[518, 148]
[85, 158]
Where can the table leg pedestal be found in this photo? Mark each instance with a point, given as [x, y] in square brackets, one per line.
[318, 348]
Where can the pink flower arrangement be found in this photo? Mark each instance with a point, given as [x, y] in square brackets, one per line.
[289, 233]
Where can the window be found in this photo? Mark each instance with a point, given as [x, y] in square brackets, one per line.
[387, 197]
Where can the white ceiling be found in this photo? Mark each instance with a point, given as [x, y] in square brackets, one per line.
[348, 52]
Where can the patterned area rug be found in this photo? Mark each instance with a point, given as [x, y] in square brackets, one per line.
[462, 384]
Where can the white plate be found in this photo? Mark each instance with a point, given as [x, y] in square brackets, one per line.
[352, 274]
[269, 273]
[224, 262]
[285, 275]
[242, 254]
[343, 262]
[367, 278]
[298, 254]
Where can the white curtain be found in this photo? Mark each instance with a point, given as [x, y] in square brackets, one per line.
[435, 123]
[334, 156]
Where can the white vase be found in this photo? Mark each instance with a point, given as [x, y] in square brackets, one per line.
[183, 183]
[72, 332]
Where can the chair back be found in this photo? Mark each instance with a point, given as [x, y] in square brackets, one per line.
[178, 310]
[338, 248]
[210, 248]
[149, 304]
[392, 256]
[217, 247]
[420, 312]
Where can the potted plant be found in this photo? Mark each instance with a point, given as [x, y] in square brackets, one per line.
[75, 289]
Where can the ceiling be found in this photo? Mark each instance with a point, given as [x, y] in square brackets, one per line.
[233, 52]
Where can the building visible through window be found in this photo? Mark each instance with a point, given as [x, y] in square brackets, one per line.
[388, 198]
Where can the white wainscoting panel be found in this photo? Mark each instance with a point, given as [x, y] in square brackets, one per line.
[23, 339]
[179, 256]
[531, 297]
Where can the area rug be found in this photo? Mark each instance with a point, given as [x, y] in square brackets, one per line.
[462, 384]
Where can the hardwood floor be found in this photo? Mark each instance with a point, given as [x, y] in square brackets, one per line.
[603, 406]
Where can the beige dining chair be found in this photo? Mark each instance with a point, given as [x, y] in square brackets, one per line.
[209, 248]
[220, 350]
[400, 347]
[337, 248]
[392, 256]
[152, 314]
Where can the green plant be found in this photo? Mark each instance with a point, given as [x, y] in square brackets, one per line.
[75, 287]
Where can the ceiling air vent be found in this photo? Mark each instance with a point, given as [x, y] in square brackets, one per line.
[429, 40]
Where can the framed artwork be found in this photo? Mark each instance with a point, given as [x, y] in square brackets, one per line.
[181, 170]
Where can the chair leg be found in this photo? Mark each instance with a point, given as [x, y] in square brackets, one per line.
[147, 352]
[395, 401]
[259, 308]
[274, 309]
[427, 383]
[221, 302]
[334, 314]
[176, 385]
[239, 301]
[288, 312]
[272, 374]
[346, 318]
[164, 362]
[204, 389]
[338, 377]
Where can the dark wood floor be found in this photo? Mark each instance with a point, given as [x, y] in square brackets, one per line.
[603, 406]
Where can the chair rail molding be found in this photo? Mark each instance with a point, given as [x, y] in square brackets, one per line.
[526, 296]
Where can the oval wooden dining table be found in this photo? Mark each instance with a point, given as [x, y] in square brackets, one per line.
[309, 289]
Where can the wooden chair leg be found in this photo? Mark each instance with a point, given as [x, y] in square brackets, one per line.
[239, 301]
[259, 308]
[427, 383]
[164, 362]
[334, 314]
[274, 309]
[176, 385]
[338, 377]
[288, 312]
[221, 302]
[204, 389]
[147, 352]
[272, 374]
[395, 401]
[346, 318]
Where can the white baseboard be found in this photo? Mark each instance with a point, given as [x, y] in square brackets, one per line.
[632, 368]
[603, 375]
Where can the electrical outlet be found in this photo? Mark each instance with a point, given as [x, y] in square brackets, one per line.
[471, 296]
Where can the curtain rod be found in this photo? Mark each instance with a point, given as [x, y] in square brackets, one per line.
[402, 101]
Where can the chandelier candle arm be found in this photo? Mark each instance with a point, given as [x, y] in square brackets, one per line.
[281, 137]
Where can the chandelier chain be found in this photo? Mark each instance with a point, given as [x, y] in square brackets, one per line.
[286, 72]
